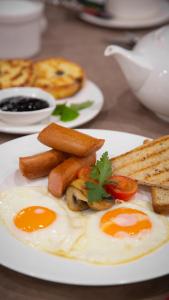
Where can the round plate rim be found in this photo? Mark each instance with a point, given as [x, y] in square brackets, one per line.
[79, 281]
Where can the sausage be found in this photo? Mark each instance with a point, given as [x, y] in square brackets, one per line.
[61, 176]
[41, 164]
[69, 140]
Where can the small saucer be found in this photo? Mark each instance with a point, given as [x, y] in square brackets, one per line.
[160, 18]
[90, 91]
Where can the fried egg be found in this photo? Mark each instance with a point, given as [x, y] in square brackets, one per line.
[126, 232]
[122, 234]
[35, 217]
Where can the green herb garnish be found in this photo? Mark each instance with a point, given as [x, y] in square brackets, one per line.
[68, 114]
[101, 173]
[95, 192]
[71, 112]
[58, 110]
[82, 105]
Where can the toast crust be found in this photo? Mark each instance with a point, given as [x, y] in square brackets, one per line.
[160, 206]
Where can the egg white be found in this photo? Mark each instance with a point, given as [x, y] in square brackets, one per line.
[95, 246]
[57, 238]
[77, 234]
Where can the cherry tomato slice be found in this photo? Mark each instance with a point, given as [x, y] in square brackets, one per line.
[122, 187]
[84, 173]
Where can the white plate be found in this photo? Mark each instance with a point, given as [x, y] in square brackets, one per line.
[161, 17]
[24, 259]
[90, 91]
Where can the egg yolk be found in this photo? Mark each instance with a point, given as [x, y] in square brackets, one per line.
[34, 218]
[123, 221]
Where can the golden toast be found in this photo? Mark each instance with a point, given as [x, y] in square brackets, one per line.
[15, 73]
[60, 77]
[148, 163]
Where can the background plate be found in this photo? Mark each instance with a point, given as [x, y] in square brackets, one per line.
[90, 91]
[160, 18]
[32, 262]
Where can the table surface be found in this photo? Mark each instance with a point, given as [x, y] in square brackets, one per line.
[70, 37]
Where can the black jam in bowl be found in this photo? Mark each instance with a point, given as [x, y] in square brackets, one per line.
[22, 103]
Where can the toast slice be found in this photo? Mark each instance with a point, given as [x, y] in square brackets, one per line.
[160, 200]
[148, 163]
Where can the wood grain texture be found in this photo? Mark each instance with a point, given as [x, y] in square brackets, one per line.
[71, 38]
[17, 286]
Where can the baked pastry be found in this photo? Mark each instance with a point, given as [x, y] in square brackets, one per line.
[60, 77]
[15, 73]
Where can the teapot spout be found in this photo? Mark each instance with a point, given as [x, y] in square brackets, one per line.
[135, 68]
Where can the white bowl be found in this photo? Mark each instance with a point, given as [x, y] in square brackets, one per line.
[26, 117]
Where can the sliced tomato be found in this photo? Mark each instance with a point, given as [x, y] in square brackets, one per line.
[122, 187]
[84, 173]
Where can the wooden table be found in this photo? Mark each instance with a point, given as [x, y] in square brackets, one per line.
[72, 38]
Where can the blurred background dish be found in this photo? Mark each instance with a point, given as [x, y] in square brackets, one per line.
[15, 73]
[26, 115]
[21, 25]
[58, 76]
[90, 92]
[160, 17]
[134, 9]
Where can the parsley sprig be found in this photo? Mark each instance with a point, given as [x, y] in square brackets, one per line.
[100, 173]
[70, 112]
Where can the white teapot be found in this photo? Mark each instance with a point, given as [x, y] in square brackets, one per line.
[146, 69]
